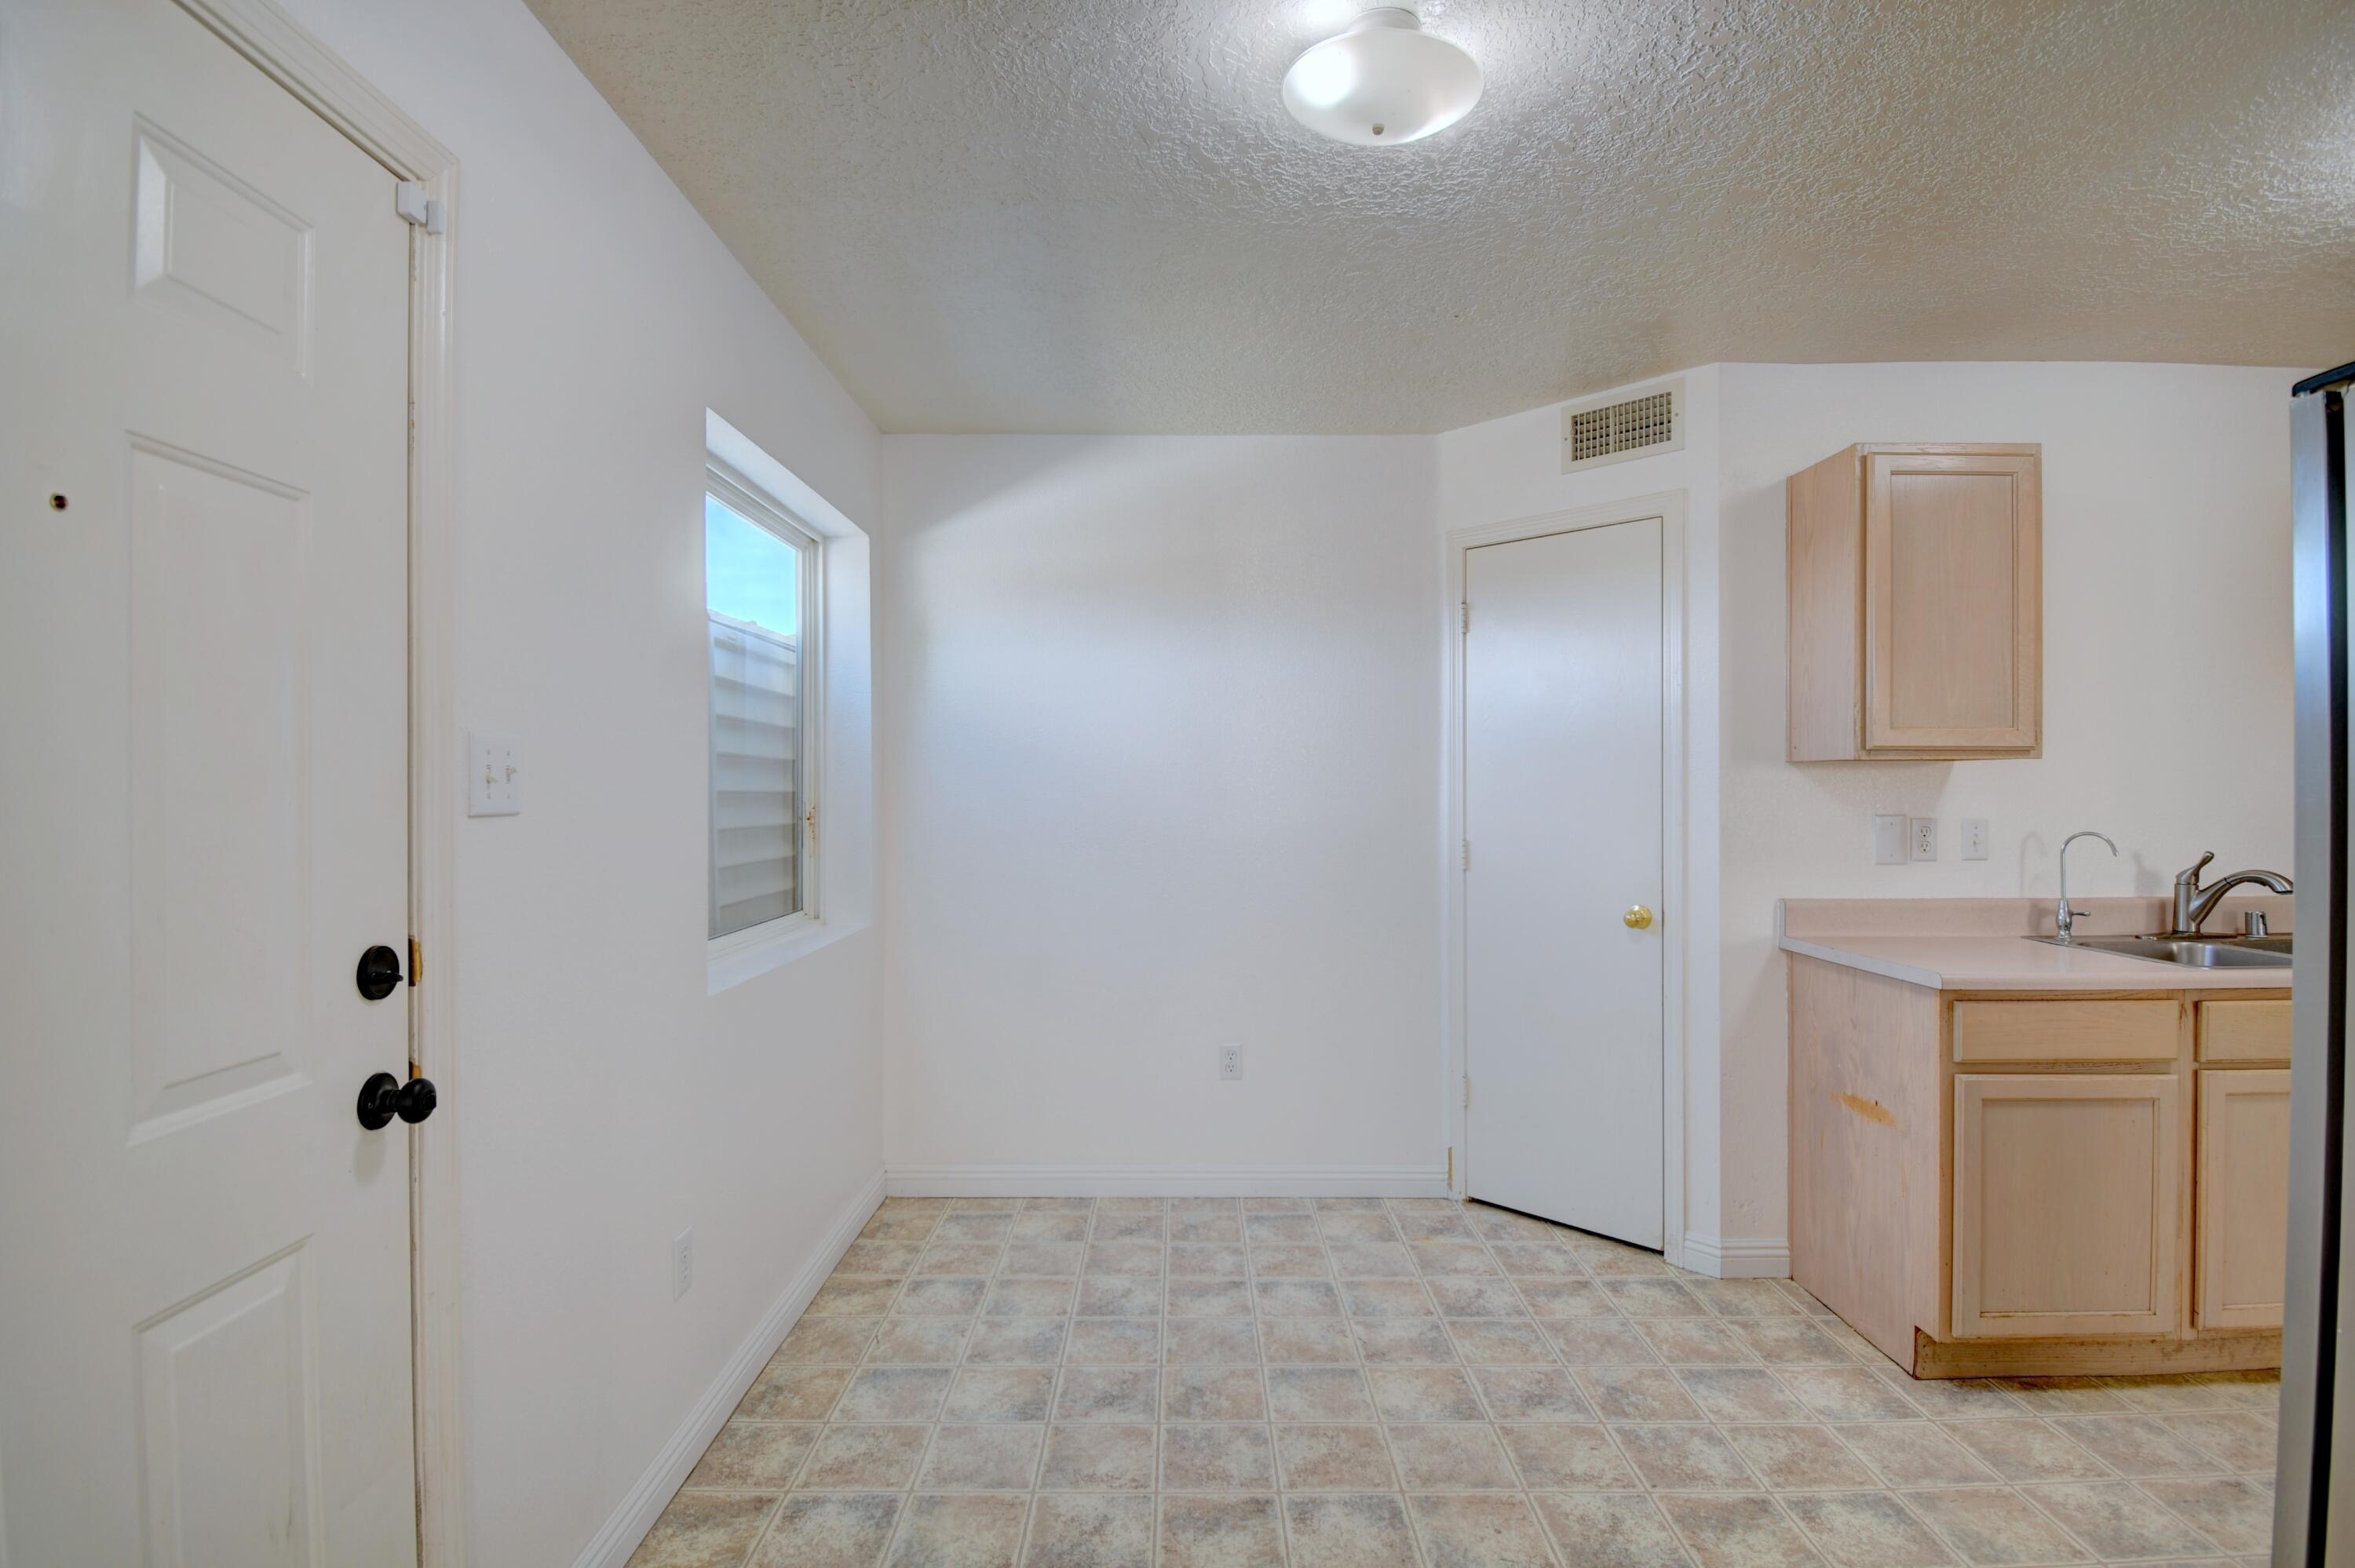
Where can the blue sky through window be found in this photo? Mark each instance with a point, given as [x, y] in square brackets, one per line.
[748, 572]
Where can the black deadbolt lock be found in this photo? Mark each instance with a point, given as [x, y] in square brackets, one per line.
[384, 1097]
[379, 972]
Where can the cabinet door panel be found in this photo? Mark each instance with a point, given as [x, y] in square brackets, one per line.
[2065, 1203]
[1953, 568]
[2243, 1195]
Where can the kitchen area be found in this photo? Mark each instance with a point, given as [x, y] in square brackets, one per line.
[2032, 1137]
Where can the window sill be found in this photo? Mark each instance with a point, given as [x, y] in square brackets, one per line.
[748, 955]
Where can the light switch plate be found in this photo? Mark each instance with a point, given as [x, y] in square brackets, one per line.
[1889, 840]
[494, 778]
[1975, 838]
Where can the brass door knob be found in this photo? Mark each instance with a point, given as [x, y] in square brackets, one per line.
[1637, 918]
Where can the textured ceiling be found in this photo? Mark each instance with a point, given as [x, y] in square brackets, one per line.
[1094, 214]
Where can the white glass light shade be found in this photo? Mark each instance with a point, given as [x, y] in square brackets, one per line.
[1384, 82]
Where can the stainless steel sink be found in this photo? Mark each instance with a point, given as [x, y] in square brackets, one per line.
[2189, 952]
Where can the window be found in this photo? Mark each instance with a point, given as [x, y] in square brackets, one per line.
[760, 577]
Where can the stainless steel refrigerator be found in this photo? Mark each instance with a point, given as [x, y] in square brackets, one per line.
[2314, 1520]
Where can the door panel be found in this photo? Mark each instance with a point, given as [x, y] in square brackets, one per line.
[219, 807]
[2065, 1202]
[1561, 795]
[228, 1418]
[2243, 1198]
[203, 681]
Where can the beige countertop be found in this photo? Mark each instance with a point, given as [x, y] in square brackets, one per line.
[1981, 944]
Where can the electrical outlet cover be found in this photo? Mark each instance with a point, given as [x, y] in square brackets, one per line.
[1231, 1062]
[1925, 839]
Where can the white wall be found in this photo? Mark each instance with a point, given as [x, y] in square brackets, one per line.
[605, 1102]
[2166, 544]
[1160, 775]
[2167, 668]
[1141, 764]
[1511, 468]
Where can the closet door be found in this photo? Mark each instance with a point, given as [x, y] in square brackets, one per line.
[1563, 681]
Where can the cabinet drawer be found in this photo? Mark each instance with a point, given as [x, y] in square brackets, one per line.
[2244, 1030]
[2007, 1032]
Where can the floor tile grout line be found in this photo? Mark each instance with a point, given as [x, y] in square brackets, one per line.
[908, 1493]
[1528, 1505]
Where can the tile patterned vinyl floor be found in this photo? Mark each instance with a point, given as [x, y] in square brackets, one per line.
[1126, 1383]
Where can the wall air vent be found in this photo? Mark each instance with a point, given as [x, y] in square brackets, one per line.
[1615, 428]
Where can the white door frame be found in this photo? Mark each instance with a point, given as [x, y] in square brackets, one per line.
[1669, 506]
[288, 55]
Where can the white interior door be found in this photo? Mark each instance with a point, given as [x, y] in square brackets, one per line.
[203, 695]
[1562, 685]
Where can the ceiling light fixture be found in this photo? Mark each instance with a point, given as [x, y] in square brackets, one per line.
[1381, 82]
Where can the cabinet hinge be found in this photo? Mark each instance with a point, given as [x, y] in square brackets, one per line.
[416, 961]
[409, 201]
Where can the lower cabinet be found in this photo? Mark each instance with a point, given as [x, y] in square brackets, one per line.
[1993, 1184]
[2242, 1224]
[2066, 1192]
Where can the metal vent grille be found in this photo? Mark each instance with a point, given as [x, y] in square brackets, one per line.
[1632, 427]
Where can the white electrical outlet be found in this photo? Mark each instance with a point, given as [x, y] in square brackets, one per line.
[682, 1263]
[1975, 838]
[1923, 839]
[1231, 1062]
[494, 778]
[1889, 840]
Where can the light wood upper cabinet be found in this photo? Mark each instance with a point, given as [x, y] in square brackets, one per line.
[2243, 1222]
[2066, 1192]
[1916, 603]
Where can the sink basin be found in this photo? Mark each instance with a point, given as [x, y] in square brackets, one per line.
[2191, 952]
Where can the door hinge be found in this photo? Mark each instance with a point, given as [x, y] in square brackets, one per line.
[1467, 1091]
[1467, 855]
[416, 961]
[1467, 615]
[409, 200]
[1451, 1168]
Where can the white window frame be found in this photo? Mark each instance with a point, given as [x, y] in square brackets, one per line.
[739, 495]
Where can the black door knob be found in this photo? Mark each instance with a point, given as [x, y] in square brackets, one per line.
[384, 1097]
[379, 971]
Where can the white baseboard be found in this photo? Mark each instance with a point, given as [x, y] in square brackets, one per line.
[628, 1524]
[1737, 1257]
[1166, 1180]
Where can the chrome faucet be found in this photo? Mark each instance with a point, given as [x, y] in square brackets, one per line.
[2064, 920]
[2194, 903]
